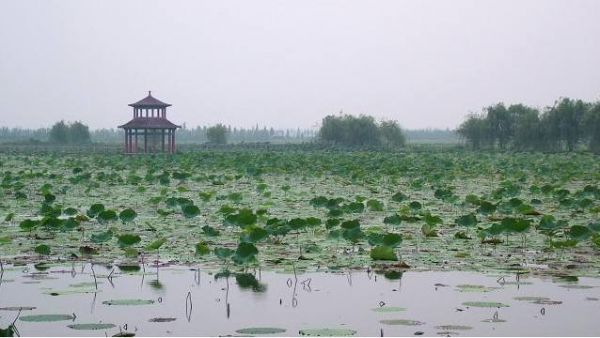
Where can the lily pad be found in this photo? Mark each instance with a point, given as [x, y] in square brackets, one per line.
[576, 286]
[162, 320]
[128, 302]
[453, 327]
[484, 304]
[46, 318]
[493, 320]
[327, 332]
[91, 326]
[73, 291]
[547, 302]
[17, 308]
[473, 288]
[261, 331]
[530, 298]
[405, 322]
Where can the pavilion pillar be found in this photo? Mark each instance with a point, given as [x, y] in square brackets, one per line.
[145, 140]
[168, 141]
[130, 150]
[136, 141]
[162, 140]
[173, 137]
[126, 143]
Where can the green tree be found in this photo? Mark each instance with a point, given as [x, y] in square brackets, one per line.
[391, 134]
[475, 131]
[527, 134]
[566, 122]
[59, 133]
[500, 124]
[217, 134]
[591, 122]
[78, 133]
[348, 130]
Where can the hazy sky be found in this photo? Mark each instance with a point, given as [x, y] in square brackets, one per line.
[290, 63]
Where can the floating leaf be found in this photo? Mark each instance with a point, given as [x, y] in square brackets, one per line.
[466, 220]
[190, 210]
[254, 234]
[399, 197]
[46, 318]
[453, 327]
[406, 322]
[224, 253]
[383, 253]
[17, 308]
[530, 298]
[127, 215]
[129, 239]
[484, 304]
[245, 252]
[42, 249]
[580, 233]
[249, 281]
[28, 224]
[95, 209]
[210, 231]
[203, 249]
[107, 216]
[156, 244]
[127, 302]
[394, 219]
[91, 326]
[260, 331]
[326, 332]
[350, 224]
[392, 240]
[162, 320]
[102, 237]
[473, 288]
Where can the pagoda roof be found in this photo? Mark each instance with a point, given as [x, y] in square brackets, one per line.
[150, 102]
[149, 123]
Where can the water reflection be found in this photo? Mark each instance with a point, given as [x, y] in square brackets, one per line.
[347, 299]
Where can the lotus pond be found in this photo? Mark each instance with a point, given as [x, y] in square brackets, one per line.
[488, 221]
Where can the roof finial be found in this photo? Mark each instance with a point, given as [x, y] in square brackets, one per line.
[149, 93]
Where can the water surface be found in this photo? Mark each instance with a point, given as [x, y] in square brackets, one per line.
[189, 301]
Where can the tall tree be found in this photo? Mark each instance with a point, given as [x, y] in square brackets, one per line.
[566, 121]
[591, 122]
[78, 133]
[59, 133]
[475, 130]
[391, 134]
[217, 134]
[500, 124]
[526, 127]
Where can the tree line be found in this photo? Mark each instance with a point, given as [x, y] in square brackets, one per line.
[198, 134]
[361, 131]
[72, 133]
[567, 125]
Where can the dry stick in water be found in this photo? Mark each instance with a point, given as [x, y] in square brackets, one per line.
[1, 272]
[94, 274]
[227, 298]
[188, 306]
[110, 277]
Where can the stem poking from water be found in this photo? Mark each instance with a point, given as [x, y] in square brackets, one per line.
[94, 274]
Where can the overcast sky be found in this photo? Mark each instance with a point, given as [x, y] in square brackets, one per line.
[290, 63]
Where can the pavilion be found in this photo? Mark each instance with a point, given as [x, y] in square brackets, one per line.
[150, 123]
